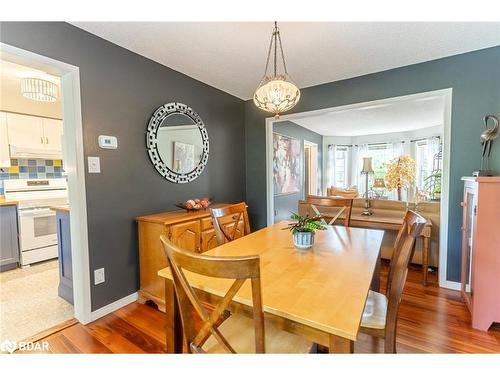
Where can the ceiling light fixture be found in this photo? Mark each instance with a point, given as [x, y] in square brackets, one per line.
[276, 93]
[39, 89]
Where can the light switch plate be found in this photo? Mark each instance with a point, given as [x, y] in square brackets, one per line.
[94, 164]
[99, 276]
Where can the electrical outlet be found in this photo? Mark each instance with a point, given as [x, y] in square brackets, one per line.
[99, 276]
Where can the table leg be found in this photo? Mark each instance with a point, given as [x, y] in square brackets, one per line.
[341, 345]
[425, 259]
[173, 326]
[375, 286]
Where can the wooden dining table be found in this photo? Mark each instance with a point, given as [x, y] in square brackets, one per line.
[318, 293]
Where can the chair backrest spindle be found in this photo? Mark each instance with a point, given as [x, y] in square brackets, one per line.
[345, 205]
[227, 221]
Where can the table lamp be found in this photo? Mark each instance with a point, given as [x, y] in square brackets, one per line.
[367, 170]
[378, 187]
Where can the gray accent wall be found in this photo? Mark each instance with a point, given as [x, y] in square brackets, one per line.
[284, 204]
[119, 92]
[475, 80]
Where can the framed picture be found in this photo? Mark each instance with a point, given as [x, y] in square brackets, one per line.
[183, 161]
[286, 164]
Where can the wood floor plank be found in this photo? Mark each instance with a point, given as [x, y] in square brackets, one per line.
[61, 344]
[431, 320]
[84, 341]
[122, 337]
[147, 320]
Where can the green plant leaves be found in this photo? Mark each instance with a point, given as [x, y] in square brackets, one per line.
[305, 223]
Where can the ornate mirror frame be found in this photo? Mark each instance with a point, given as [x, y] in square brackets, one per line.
[155, 121]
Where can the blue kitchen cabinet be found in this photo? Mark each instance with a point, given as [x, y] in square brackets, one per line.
[9, 244]
[65, 289]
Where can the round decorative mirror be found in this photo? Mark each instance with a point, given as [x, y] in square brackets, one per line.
[177, 142]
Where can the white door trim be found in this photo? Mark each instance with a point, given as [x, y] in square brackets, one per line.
[443, 235]
[74, 166]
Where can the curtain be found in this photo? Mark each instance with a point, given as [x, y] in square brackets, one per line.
[358, 153]
[398, 149]
[330, 166]
[433, 147]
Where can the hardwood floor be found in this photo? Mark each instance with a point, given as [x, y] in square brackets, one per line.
[431, 320]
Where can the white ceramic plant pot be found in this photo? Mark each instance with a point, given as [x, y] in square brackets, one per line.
[303, 240]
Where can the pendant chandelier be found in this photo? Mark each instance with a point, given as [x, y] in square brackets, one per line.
[39, 89]
[276, 93]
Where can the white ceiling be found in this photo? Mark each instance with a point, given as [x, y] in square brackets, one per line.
[10, 90]
[406, 115]
[231, 55]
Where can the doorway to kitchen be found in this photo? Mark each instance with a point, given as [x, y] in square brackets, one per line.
[43, 179]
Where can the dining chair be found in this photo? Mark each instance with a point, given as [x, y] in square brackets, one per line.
[227, 220]
[345, 205]
[381, 311]
[237, 332]
[405, 228]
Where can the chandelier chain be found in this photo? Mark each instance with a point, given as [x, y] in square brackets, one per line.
[275, 34]
[269, 54]
[275, 40]
[282, 55]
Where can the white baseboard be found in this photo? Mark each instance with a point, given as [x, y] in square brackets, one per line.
[108, 309]
[451, 285]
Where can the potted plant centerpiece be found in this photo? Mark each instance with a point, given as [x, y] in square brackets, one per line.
[303, 229]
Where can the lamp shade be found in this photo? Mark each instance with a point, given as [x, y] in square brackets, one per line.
[276, 94]
[38, 89]
[379, 183]
[367, 165]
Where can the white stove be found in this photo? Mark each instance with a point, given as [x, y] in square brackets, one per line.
[37, 223]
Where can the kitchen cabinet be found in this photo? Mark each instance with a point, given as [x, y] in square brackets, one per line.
[4, 142]
[52, 133]
[32, 136]
[9, 244]
[481, 250]
[25, 131]
[191, 231]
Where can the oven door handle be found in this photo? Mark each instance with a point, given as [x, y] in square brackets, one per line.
[39, 212]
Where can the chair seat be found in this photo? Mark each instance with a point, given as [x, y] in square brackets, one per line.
[375, 312]
[239, 332]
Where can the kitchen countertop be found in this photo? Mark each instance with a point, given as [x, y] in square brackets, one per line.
[63, 208]
[4, 202]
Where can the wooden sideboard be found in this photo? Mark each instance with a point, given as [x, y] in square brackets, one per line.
[192, 231]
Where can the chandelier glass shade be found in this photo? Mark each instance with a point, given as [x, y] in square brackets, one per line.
[39, 89]
[276, 93]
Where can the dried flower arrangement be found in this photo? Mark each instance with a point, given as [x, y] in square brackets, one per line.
[400, 173]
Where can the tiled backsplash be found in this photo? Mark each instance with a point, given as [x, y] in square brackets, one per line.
[31, 168]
